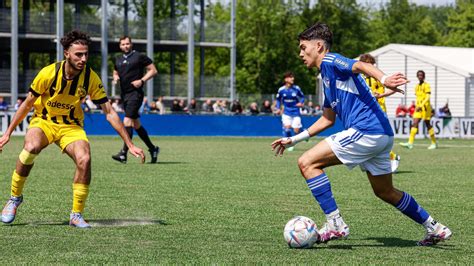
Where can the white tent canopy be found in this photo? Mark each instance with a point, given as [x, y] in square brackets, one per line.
[449, 70]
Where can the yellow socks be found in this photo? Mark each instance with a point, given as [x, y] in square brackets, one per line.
[18, 182]
[432, 135]
[79, 192]
[392, 155]
[413, 132]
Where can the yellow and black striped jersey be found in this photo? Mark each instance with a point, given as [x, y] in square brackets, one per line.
[376, 87]
[59, 99]
[422, 91]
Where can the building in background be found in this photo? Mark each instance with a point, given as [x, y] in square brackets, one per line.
[29, 30]
[449, 71]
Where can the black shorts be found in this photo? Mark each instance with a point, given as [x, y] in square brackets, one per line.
[131, 106]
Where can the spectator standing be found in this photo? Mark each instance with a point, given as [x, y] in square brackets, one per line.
[317, 110]
[236, 107]
[176, 107]
[19, 101]
[3, 104]
[207, 106]
[253, 109]
[401, 111]
[192, 106]
[266, 107]
[160, 106]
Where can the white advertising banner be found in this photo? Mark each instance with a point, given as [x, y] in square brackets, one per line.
[6, 118]
[443, 127]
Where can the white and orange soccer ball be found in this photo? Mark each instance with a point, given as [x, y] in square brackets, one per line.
[301, 232]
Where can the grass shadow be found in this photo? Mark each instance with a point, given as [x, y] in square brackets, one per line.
[125, 222]
[403, 172]
[99, 223]
[161, 162]
[383, 242]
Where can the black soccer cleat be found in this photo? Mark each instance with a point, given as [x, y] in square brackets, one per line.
[154, 154]
[120, 157]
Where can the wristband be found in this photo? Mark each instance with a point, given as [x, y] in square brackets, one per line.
[300, 137]
[382, 80]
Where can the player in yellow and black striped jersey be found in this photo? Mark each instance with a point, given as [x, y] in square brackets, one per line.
[56, 95]
[379, 92]
[59, 98]
[422, 112]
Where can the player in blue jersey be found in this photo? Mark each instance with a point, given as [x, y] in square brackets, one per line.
[366, 140]
[292, 99]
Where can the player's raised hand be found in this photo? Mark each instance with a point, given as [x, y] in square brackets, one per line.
[137, 152]
[280, 145]
[3, 141]
[395, 80]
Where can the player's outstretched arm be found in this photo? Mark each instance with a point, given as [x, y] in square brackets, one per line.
[389, 81]
[114, 120]
[325, 121]
[24, 109]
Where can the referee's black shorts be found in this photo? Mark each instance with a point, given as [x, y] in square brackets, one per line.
[132, 104]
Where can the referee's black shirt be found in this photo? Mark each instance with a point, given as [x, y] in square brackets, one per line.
[131, 67]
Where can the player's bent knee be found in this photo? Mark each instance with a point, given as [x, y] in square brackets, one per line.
[83, 161]
[306, 164]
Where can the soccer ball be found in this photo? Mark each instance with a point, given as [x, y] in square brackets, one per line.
[301, 232]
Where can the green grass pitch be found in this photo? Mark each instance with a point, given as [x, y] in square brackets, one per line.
[226, 200]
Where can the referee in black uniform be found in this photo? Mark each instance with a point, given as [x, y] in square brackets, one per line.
[129, 71]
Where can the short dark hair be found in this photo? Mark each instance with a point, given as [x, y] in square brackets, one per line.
[125, 37]
[367, 58]
[421, 71]
[75, 37]
[288, 74]
[318, 31]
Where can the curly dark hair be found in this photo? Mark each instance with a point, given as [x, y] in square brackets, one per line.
[75, 37]
[318, 31]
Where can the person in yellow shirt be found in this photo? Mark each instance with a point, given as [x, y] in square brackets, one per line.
[56, 94]
[379, 92]
[422, 112]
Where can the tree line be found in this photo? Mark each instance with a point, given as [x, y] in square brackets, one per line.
[267, 30]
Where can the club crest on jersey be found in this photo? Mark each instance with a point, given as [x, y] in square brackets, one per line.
[81, 91]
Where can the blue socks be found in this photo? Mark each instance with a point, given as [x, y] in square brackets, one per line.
[286, 132]
[321, 189]
[410, 208]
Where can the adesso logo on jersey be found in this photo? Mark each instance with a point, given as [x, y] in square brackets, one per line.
[334, 104]
[60, 105]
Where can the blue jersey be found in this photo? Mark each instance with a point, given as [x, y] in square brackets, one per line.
[348, 95]
[290, 97]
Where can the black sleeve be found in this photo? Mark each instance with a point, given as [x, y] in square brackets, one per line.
[34, 92]
[101, 101]
[145, 60]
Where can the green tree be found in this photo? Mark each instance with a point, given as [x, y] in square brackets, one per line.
[461, 25]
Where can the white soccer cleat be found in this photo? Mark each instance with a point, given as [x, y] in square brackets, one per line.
[292, 148]
[333, 230]
[433, 146]
[395, 163]
[431, 238]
